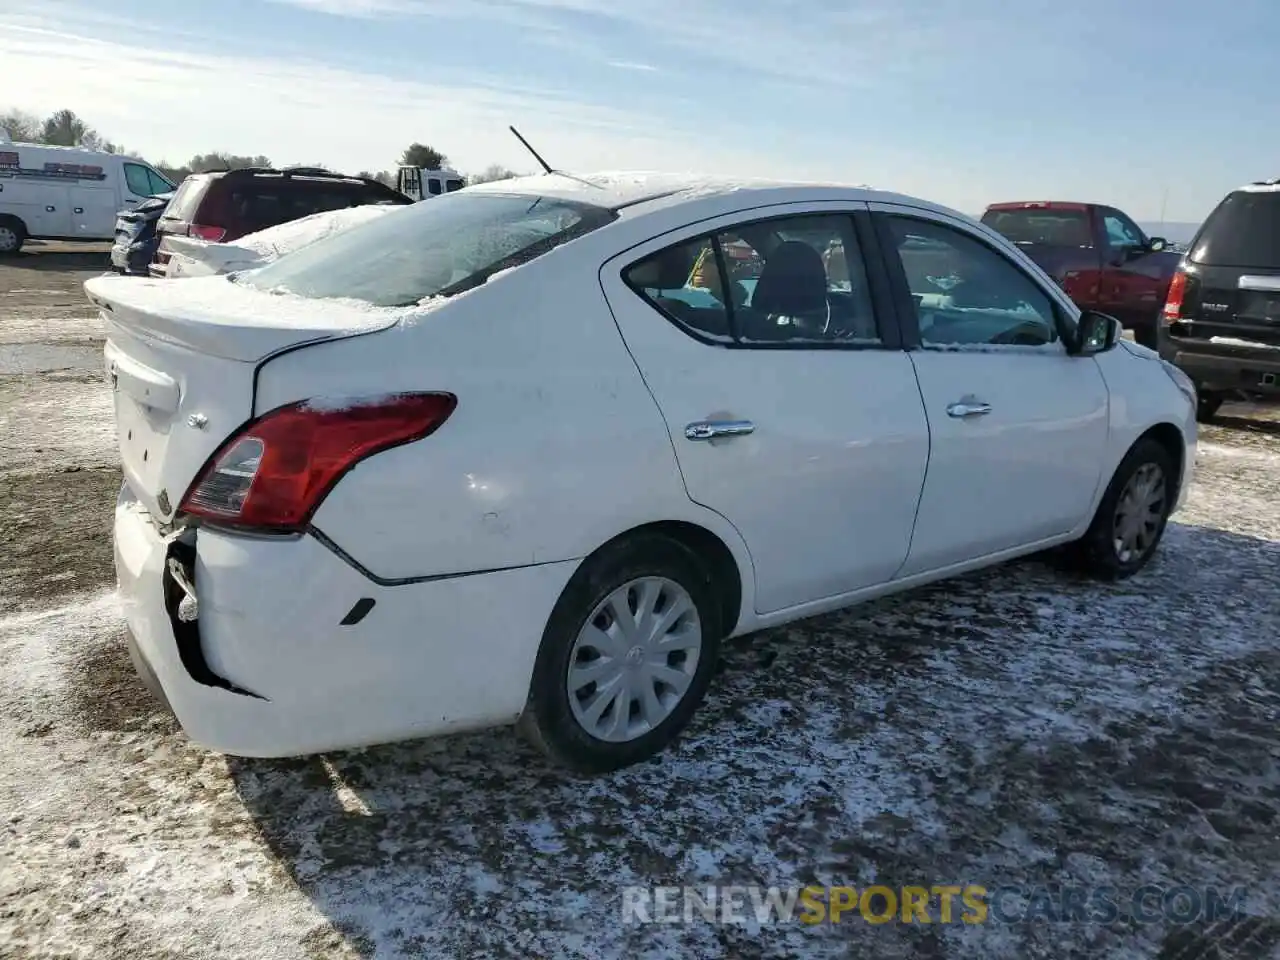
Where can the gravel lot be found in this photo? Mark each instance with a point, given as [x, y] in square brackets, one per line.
[1015, 727]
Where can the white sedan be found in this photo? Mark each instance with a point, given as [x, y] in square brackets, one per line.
[530, 452]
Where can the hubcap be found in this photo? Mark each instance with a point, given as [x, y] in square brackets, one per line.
[8, 239]
[1139, 513]
[634, 659]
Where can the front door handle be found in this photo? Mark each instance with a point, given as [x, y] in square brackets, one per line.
[968, 407]
[710, 429]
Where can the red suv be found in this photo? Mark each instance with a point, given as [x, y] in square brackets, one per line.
[223, 207]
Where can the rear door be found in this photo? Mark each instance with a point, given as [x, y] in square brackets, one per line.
[792, 408]
[1018, 427]
[1234, 266]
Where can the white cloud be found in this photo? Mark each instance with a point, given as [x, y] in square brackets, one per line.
[169, 103]
[628, 65]
[800, 42]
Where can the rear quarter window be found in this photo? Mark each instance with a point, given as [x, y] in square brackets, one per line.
[1243, 231]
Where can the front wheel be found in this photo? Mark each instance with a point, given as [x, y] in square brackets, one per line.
[1132, 515]
[626, 657]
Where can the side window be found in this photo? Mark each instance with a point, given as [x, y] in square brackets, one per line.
[136, 176]
[255, 207]
[158, 183]
[453, 184]
[799, 281]
[433, 186]
[1121, 231]
[966, 293]
[683, 282]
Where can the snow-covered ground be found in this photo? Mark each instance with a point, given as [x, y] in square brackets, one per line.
[1014, 727]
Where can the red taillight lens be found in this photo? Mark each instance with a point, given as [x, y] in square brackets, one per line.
[1173, 301]
[274, 473]
[212, 234]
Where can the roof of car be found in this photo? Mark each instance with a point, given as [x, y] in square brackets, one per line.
[646, 191]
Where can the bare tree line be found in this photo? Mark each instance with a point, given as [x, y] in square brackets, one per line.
[64, 128]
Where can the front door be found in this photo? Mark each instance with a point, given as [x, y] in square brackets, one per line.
[1134, 282]
[792, 409]
[1019, 427]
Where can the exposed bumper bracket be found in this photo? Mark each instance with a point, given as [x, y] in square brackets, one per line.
[181, 605]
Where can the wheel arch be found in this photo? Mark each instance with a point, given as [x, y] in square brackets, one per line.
[710, 552]
[1171, 439]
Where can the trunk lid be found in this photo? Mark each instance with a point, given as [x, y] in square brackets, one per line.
[181, 357]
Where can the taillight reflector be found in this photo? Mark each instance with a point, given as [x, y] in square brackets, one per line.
[275, 473]
[1173, 301]
[212, 234]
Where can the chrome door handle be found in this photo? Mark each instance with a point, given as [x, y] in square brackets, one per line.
[968, 408]
[710, 429]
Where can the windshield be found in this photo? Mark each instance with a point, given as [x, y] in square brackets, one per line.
[437, 247]
[1243, 232]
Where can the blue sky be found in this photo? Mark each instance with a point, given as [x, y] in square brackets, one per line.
[960, 101]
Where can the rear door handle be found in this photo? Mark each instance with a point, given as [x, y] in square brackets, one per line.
[710, 429]
[968, 407]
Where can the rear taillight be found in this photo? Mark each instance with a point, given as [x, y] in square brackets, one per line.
[1174, 299]
[212, 234]
[274, 473]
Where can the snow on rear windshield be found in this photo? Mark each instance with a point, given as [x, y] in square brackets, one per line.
[437, 247]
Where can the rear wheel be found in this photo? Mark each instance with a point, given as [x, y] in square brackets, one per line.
[1207, 405]
[626, 657]
[12, 235]
[1132, 515]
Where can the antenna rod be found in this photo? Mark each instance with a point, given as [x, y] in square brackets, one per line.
[545, 166]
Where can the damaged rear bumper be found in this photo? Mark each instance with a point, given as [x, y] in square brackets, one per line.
[286, 649]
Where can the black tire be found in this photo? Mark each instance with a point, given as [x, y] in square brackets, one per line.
[1095, 553]
[15, 229]
[548, 721]
[1207, 405]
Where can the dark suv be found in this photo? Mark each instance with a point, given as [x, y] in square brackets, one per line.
[223, 207]
[1222, 316]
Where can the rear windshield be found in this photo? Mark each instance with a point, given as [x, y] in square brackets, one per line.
[1244, 231]
[186, 199]
[436, 248]
[1050, 228]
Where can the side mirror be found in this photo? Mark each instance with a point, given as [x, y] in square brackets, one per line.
[1156, 244]
[1095, 333]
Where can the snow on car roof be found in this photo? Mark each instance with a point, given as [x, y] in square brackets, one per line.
[646, 190]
